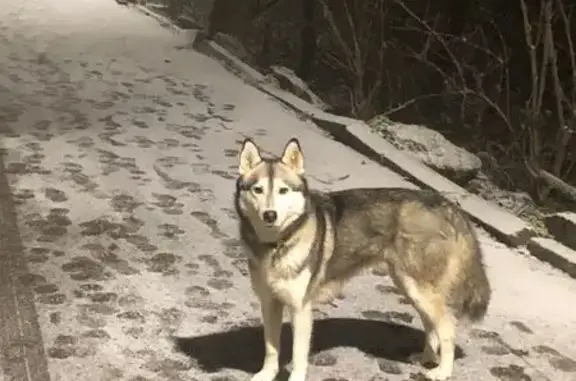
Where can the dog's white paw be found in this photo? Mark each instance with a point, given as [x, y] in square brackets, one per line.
[297, 376]
[265, 375]
[438, 374]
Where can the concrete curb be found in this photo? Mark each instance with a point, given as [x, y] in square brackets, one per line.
[553, 252]
[356, 134]
[163, 20]
[563, 227]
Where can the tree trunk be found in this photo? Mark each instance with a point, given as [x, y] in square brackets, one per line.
[308, 39]
[230, 17]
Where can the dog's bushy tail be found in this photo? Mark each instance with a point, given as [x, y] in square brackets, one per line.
[478, 291]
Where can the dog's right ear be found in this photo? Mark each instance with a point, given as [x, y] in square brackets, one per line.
[249, 156]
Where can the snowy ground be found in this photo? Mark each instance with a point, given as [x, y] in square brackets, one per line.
[121, 154]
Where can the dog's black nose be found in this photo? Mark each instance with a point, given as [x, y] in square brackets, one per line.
[269, 216]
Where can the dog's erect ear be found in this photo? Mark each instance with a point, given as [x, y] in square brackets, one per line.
[293, 156]
[249, 156]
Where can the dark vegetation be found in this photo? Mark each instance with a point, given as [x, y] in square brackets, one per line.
[495, 77]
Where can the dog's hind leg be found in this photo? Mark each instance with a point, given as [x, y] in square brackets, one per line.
[429, 354]
[272, 321]
[445, 327]
[438, 323]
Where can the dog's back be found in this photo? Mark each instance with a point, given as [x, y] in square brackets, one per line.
[418, 234]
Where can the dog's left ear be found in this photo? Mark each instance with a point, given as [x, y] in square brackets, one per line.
[293, 156]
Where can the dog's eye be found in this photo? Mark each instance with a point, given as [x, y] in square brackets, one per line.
[283, 190]
[257, 189]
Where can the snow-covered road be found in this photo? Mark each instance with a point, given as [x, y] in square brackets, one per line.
[120, 154]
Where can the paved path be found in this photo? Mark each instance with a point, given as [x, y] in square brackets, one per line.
[121, 156]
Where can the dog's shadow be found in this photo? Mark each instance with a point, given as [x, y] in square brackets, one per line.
[243, 348]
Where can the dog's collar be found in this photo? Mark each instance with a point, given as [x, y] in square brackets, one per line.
[275, 245]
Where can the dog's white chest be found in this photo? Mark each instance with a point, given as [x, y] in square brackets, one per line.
[286, 278]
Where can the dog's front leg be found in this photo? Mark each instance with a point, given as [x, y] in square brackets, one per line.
[302, 322]
[272, 321]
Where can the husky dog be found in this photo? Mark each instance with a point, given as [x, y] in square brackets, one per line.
[305, 245]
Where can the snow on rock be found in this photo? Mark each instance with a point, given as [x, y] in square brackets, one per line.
[429, 147]
[563, 227]
[289, 81]
[517, 203]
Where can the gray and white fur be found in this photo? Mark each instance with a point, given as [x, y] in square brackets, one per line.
[304, 245]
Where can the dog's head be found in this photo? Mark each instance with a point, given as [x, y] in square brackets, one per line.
[271, 192]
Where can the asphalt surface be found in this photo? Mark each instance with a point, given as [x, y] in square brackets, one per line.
[118, 250]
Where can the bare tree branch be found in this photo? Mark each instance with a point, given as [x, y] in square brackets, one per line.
[552, 181]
